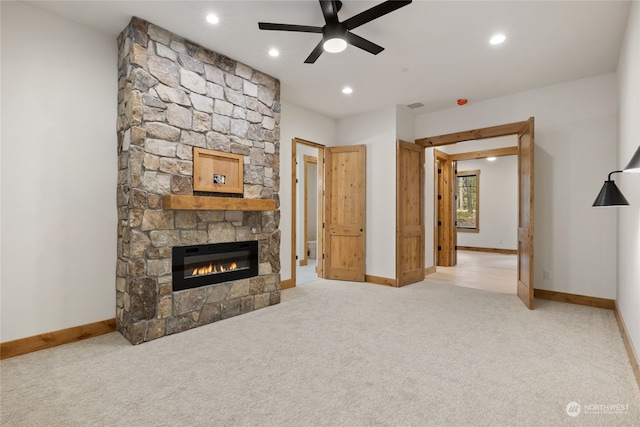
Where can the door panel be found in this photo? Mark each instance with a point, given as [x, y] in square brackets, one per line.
[446, 231]
[410, 214]
[344, 215]
[525, 214]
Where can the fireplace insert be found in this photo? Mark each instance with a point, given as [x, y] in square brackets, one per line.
[200, 265]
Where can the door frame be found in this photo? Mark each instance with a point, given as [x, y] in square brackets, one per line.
[515, 128]
[286, 284]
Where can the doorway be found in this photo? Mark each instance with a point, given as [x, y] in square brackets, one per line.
[341, 218]
[306, 213]
[525, 146]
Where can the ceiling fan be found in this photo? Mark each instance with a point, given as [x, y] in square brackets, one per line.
[335, 34]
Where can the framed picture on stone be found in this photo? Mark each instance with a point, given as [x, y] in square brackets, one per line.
[217, 172]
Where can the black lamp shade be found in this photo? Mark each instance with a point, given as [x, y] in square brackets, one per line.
[634, 164]
[610, 195]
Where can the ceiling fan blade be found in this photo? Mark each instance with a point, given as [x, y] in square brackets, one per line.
[315, 54]
[329, 11]
[363, 44]
[289, 27]
[374, 13]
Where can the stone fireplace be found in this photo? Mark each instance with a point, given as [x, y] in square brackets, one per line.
[174, 95]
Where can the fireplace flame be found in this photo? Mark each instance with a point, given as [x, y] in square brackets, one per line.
[213, 268]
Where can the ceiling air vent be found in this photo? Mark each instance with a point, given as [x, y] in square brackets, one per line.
[415, 105]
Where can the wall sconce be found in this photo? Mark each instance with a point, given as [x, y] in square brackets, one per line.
[610, 194]
[634, 164]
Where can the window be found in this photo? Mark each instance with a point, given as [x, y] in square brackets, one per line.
[468, 201]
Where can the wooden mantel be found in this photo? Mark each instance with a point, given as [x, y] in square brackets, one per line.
[203, 203]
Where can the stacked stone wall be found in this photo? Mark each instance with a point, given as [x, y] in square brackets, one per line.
[174, 95]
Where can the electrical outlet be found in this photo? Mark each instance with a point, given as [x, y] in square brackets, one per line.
[546, 274]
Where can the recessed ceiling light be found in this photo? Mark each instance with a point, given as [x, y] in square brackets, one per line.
[335, 45]
[274, 52]
[212, 19]
[497, 39]
[347, 90]
[491, 159]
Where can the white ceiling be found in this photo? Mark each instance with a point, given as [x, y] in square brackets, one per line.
[435, 51]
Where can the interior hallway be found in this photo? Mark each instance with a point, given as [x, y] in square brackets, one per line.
[481, 270]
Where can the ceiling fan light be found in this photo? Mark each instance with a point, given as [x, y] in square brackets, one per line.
[334, 45]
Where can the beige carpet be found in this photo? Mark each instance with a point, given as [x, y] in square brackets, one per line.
[343, 354]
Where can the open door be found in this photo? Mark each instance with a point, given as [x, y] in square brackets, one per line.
[525, 213]
[344, 215]
[445, 210]
[410, 214]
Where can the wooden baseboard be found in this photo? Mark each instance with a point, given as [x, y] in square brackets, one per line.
[53, 339]
[608, 304]
[491, 250]
[376, 280]
[429, 270]
[628, 344]
[286, 284]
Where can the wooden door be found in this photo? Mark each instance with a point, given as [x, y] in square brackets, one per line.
[445, 221]
[409, 214]
[344, 215]
[525, 213]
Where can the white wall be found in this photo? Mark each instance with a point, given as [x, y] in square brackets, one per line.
[296, 122]
[312, 201]
[498, 203]
[405, 123]
[59, 169]
[377, 130]
[301, 151]
[575, 134]
[628, 295]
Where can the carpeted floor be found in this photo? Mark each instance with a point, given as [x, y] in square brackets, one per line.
[343, 354]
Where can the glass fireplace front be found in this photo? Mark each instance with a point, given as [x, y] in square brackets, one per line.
[201, 265]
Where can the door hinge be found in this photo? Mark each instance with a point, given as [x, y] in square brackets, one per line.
[439, 248]
[455, 223]
[296, 180]
[439, 170]
[322, 256]
[296, 256]
[439, 197]
[455, 197]
[439, 222]
[323, 225]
